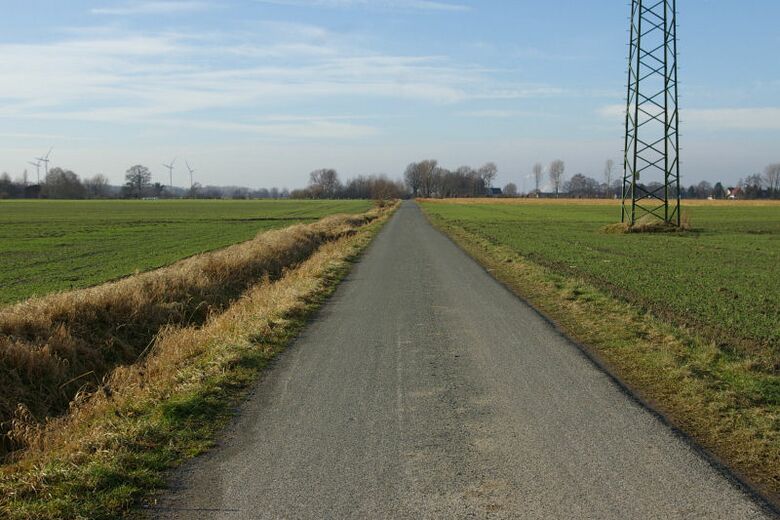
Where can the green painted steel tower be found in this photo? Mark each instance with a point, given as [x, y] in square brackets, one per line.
[651, 180]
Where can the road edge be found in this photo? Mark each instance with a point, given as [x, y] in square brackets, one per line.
[767, 502]
[131, 441]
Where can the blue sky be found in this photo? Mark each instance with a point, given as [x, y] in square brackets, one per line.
[260, 92]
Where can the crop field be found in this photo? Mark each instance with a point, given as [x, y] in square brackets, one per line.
[48, 246]
[690, 321]
[722, 278]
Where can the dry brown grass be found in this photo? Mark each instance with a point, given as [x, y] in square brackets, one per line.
[113, 446]
[648, 224]
[55, 348]
[600, 202]
[168, 366]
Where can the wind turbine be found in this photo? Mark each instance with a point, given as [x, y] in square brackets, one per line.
[170, 170]
[189, 168]
[45, 161]
[37, 165]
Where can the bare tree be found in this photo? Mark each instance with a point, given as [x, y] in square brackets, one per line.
[608, 169]
[421, 178]
[557, 168]
[469, 182]
[538, 176]
[63, 184]
[413, 178]
[324, 183]
[772, 179]
[510, 190]
[377, 187]
[704, 189]
[139, 179]
[488, 173]
[752, 186]
[194, 190]
[581, 186]
[97, 186]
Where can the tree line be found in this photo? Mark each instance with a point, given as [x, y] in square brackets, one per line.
[756, 186]
[326, 184]
[425, 179]
[60, 183]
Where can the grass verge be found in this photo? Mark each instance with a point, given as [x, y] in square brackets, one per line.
[113, 448]
[58, 347]
[718, 397]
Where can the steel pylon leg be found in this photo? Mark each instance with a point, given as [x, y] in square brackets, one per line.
[651, 180]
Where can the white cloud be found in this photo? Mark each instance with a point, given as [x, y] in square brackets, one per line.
[767, 118]
[503, 114]
[41, 136]
[612, 111]
[153, 7]
[302, 128]
[126, 78]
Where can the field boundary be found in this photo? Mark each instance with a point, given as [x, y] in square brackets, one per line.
[517, 273]
[115, 448]
[53, 246]
[206, 251]
[59, 347]
[567, 201]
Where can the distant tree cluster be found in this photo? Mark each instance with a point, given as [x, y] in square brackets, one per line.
[585, 187]
[18, 189]
[427, 179]
[510, 190]
[325, 184]
[60, 183]
[756, 186]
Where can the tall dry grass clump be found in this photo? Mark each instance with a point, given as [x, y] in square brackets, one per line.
[650, 224]
[55, 347]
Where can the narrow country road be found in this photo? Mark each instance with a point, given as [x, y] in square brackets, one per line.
[425, 389]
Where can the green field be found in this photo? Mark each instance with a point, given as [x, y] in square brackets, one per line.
[48, 246]
[690, 321]
[722, 279]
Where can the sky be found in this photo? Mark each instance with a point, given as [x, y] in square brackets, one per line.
[261, 92]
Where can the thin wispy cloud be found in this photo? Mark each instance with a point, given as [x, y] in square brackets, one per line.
[153, 7]
[763, 118]
[132, 78]
[767, 118]
[422, 5]
[504, 114]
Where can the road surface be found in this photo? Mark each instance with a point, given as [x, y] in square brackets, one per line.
[425, 389]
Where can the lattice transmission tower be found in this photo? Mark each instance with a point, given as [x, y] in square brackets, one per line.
[651, 180]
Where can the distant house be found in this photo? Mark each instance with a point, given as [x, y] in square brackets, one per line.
[495, 192]
[733, 193]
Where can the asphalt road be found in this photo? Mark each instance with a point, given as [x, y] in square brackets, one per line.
[425, 389]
